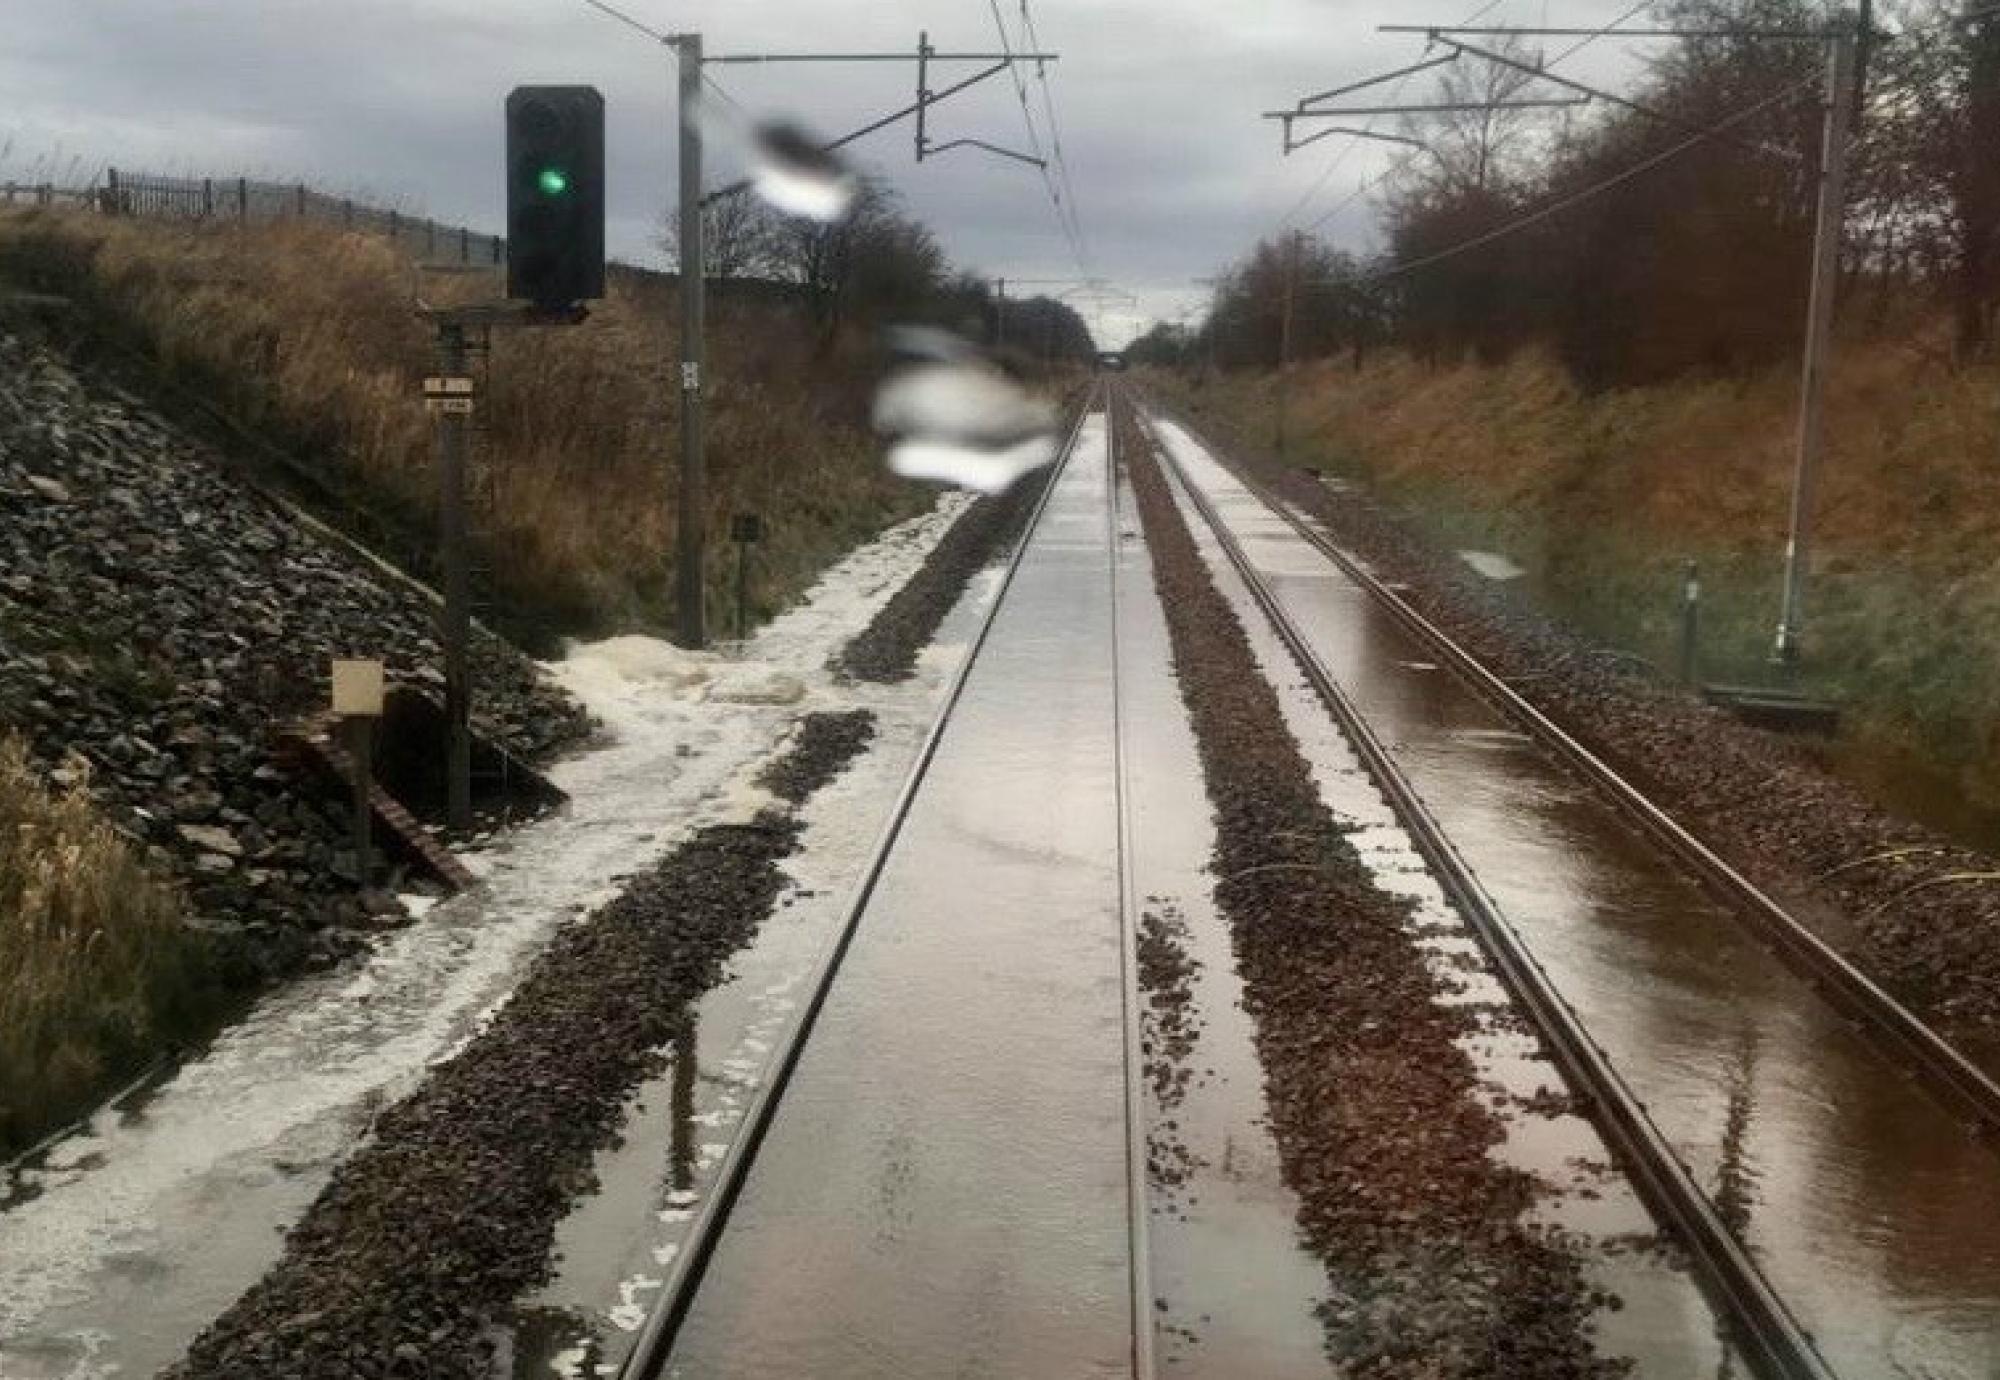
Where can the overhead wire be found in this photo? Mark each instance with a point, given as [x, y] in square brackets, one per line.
[1367, 185]
[1072, 232]
[1347, 150]
[640, 26]
[612, 11]
[1034, 42]
[1619, 179]
[1639, 169]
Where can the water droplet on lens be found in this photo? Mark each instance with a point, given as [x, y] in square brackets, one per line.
[792, 172]
[989, 471]
[960, 402]
[959, 420]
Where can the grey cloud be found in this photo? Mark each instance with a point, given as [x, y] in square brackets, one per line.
[400, 99]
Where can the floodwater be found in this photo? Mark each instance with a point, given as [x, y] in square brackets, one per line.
[615, 1247]
[1236, 1290]
[943, 1190]
[125, 1239]
[1662, 1323]
[1872, 1211]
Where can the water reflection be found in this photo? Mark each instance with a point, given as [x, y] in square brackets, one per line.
[1869, 1207]
[680, 1144]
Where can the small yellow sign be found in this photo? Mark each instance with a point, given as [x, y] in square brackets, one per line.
[358, 689]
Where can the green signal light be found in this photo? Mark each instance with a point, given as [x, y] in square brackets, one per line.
[552, 181]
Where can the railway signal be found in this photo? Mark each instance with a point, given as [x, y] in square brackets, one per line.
[555, 195]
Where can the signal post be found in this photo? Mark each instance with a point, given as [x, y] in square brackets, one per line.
[555, 263]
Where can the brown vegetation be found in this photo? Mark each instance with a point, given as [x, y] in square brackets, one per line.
[95, 963]
[306, 335]
[1601, 497]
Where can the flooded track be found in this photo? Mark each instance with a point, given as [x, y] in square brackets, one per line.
[945, 1185]
[1858, 1194]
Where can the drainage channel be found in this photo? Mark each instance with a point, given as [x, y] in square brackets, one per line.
[1856, 1195]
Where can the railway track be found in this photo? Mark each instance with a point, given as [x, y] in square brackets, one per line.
[1762, 1325]
[1769, 1332]
[654, 1351]
[1952, 1077]
[1771, 1337]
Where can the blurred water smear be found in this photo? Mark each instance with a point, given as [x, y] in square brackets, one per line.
[794, 173]
[960, 421]
[988, 471]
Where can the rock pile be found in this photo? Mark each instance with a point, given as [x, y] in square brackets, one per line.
[158, 620]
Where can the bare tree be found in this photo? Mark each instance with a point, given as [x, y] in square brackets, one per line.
[742, 237]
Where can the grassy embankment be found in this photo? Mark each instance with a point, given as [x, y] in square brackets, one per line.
[96, 968]
[305, 337]
[1601, 499]
[296, 347]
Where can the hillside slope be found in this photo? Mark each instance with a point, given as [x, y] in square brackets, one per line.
[158, 622]
[298, 347]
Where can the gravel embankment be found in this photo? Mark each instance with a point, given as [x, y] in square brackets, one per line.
[158, 620]
[1919, 911]
[886, 650]
[1378, 1115]
[426, 1236]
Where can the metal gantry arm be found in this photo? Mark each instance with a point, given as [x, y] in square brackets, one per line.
[691, 535]
[1540, 72]
[926, 98]
[915, 108]
[1443, 108]
[1294, 145]
[1426, 65]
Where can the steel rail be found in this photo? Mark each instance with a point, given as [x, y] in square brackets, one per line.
[1899, 1034]
[1139, 1223]
[649, 1355]
[1770, 1337]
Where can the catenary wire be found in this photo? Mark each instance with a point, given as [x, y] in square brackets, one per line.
[1367, 185]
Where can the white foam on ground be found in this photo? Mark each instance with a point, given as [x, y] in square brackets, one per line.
[145, 1226]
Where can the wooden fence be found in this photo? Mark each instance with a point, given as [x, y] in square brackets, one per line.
[249, 199]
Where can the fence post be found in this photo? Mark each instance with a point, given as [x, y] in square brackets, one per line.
[207, 197]
[430, 238]
[347, 213]
[395, 227]
[302, 201]
[464, 245]
[243, 198]
[45, 194]
[110, 192]
[499, 251]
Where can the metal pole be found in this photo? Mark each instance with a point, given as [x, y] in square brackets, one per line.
[1285, 339]
[742, 591]
[456, 627]
[688, 546]
[1819, 340]
[360, 748]
[1690, 622]
[1000, 315]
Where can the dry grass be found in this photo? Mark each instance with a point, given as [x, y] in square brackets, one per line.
[1601, 497]
[308, 334]
[95, 964]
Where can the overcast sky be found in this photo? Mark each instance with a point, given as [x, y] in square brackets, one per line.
[1157, 102]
